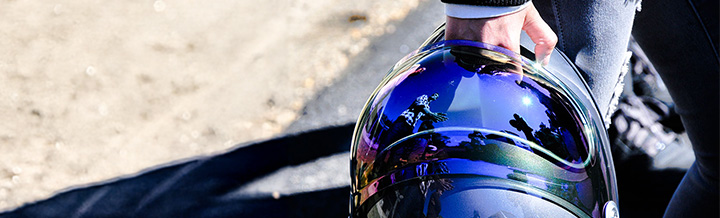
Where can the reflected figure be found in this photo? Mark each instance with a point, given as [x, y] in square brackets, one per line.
[404, 125]
[477, 140]
[551, 138]
[552, 141]
[440, 185]
[412, 199]
[519, 123]
[427, 190]
[430, 146]
[419, 108]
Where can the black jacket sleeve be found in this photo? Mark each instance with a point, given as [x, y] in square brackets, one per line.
[487, 2]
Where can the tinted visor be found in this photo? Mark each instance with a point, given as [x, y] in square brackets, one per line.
[473, 88]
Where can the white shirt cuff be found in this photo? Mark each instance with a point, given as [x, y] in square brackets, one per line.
[476, 11]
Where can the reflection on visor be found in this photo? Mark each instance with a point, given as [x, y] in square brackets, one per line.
[466, 198]
[459, 88]
[477, 144]
[492, 154]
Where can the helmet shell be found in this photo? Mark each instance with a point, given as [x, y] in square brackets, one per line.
[459, 121]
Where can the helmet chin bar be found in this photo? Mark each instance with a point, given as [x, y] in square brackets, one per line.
[455, 114]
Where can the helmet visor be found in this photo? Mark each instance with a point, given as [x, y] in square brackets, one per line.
[482, 111]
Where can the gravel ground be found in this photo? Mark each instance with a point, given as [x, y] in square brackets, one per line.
[95, 90]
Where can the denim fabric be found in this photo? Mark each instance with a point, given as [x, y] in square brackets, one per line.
[680, 39]
[594, 35]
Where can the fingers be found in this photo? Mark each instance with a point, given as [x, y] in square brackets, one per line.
[439, 117]
[540, 33]
[505, 31]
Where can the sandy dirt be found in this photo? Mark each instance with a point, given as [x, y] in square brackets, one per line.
[93, 90]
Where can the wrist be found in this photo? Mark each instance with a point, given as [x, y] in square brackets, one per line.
[480, 11]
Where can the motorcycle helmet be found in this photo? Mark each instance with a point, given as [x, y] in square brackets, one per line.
[465, 129]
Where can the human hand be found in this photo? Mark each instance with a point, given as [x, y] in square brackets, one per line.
[505, 31]
[439, 117]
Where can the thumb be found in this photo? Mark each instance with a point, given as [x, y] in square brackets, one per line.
[540, 33]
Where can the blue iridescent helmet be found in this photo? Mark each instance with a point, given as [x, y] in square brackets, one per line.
[465, 129]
